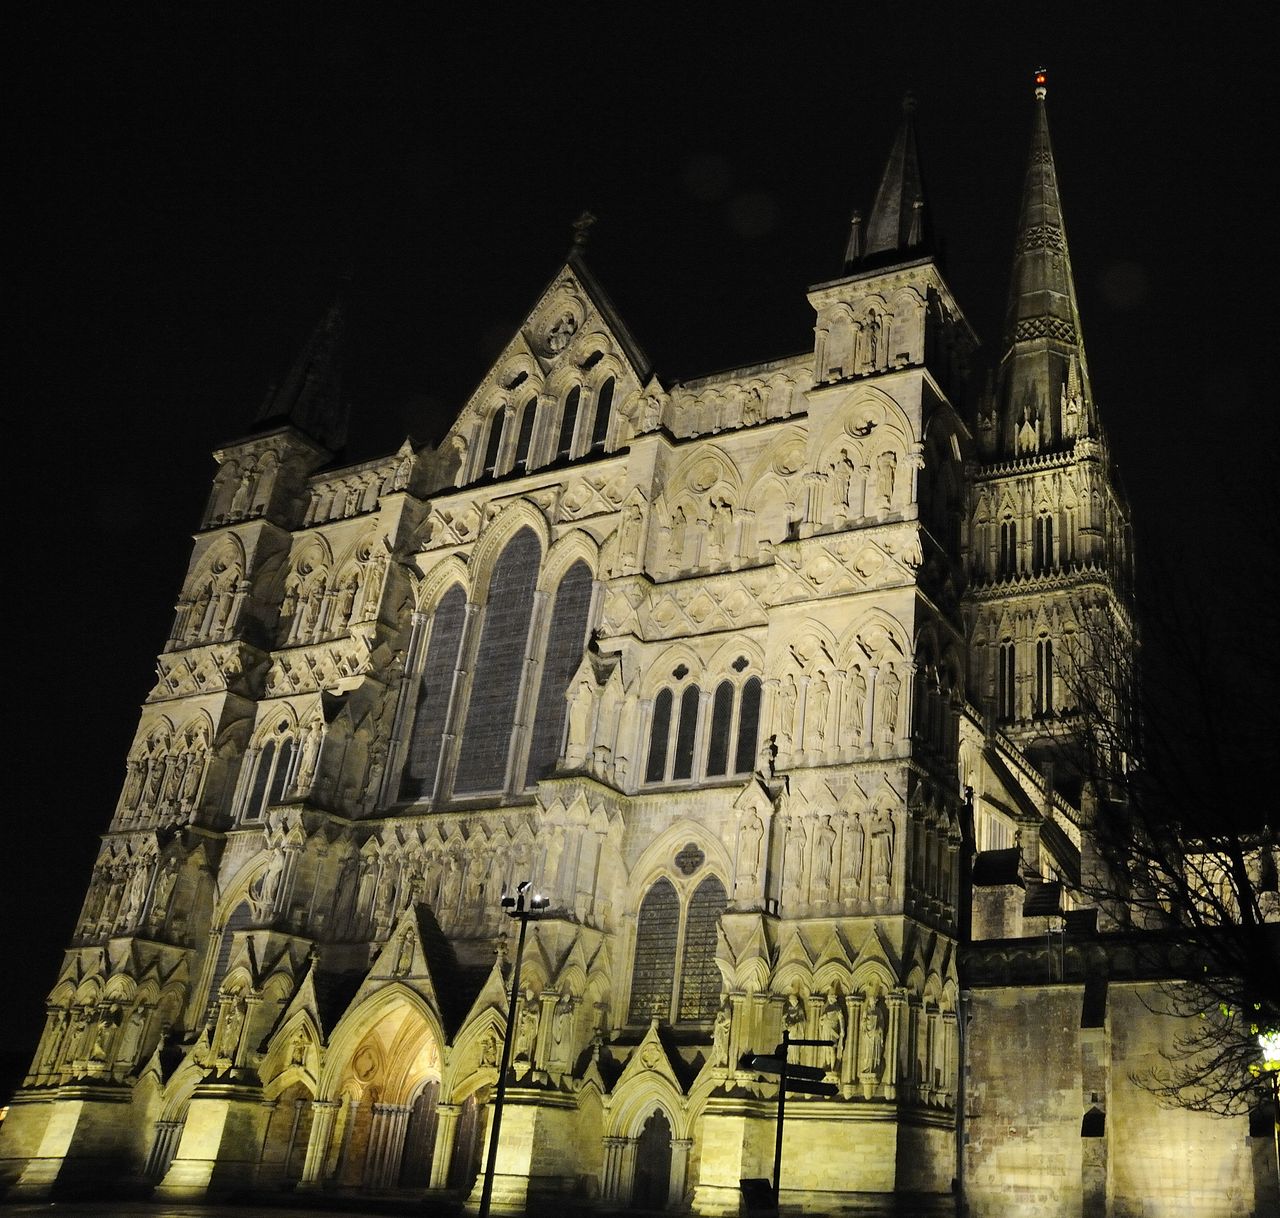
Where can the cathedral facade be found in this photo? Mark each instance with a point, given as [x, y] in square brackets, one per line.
[754, 677]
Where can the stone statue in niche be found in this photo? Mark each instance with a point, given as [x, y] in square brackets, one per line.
[793, 1015]
[721, 524]
[526, 1028]
[131, 1038]
[720, 1035]
[855, 704]
[489, 1049]
[232, 1025]
[816, 719]
[749, 840]
[679, 530]
[375, 574]
[824, 841]
[831, 1027]
[103, 1033]
[842, 482]
[55, 1038]
[856, 845]
[886, 471]
[135, 893]
[882, 851]
[871, 1050]
[562, 1028]
[582, 704]
[788, 693]
[404, 961]
[629, 536]
[887, 692]
[793, 860]
[752, 406]
[165, 882]
[648, 413]
[191, 780]
[450, 886]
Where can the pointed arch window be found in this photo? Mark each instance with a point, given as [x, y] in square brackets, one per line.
[568, 422]
[748, 727]
[565, 642]
[718, 743]
[241, 919]
[1008, 547]
[525, 436]
[604, 405]
[493, 443]
[1044, 676]
[674, 975]
[499, 667]
[434, 688]
[686, 733]
[1006, 678]
[676, 747]
[656, 766]
[272, 774]
[1042, 544]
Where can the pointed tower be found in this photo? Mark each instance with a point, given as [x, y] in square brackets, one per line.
[1048, 529]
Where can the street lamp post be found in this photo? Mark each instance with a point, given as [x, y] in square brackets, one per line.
[522, 908]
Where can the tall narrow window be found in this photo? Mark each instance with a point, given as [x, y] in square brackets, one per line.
[281, 776]
[1044, 676]
[1005, 682]
[525, 437]
[499, 666]
[655, 769]
[604, 404]
[433, 696]
[257, 804]
[568, 422]
[1008, 547]
[491, 447]
[564, 653]
[654, 971]
[241, 918]
[721, 715]
[748, 727]
[686, 733]
[699, 973]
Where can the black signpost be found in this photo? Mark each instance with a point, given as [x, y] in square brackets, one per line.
[804, 1079]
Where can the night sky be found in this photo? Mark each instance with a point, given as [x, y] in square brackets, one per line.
[186, 183]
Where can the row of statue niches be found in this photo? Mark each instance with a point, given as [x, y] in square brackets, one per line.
[129, 895]
[342, 500]
[847, 858]
[319, 605]
[825, 710]
[211, 613]
[163, 787]
[103, 1040]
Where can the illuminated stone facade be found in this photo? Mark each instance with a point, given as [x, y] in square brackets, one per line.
[715, 665]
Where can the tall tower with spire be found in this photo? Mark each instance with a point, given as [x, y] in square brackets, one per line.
[1048, 556]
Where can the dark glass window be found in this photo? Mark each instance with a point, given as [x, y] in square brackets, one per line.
[1005, 676]
[656, 768]
[600, 428]
[258, 794]
[282, 772]
[721, 714]
[564, 654]
[500, 660]
[491, 448]
[433, 695]
[568, 422]
[686, 730]
[699, 974]
[527, 420]
[748, 728]
[241, 918]
[654, 972]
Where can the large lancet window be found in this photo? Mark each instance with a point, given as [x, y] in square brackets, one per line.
[499, 666]
[433, 696]
[568, 422]
[1008, 547]
[604, 404]
[1044, 676]
[271, 775]
[565, 642]
[1005, 682]
[525, 436]
[674, 976]
[491, 446]
[732, 738]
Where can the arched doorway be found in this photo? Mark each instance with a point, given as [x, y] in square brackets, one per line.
[468, 1142]
[652, 1181]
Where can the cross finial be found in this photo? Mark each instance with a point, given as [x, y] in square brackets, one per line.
[581, 231]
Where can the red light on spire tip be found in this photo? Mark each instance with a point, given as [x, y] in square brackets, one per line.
[1042, 80]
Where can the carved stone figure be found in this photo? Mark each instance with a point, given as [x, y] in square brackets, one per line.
[752, 406]
[721, 524]
[788, 693]
[888, 688]
[679, 527]
[882, 850]
[165, 882]
[842, 481]
[749, 840]
[871, 1050]
[793, 1015]
[816, 718]
[135, 893]
[855, 846]
[232, 1024]
[629, 536]
[886, 468]
[824, 841]
[581, 705]
[489, 1048]
[192, 778]
[562, 1027]
[561, 332]
[527, 1028]
[855, 704]
[831, 1027]
[793, 859]
[720, 1035]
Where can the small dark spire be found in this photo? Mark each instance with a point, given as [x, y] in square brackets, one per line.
[582, 233]
[853, 248]
[898, 216]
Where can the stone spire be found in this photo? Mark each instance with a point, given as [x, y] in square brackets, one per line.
[1044, 394]
[898, 225]
[310, 397]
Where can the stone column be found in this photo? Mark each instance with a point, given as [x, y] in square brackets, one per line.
[893, 1050]
[849, 1058]
[680, 1148]
[323, 1115]
[611, 1173]
[442, 1153]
